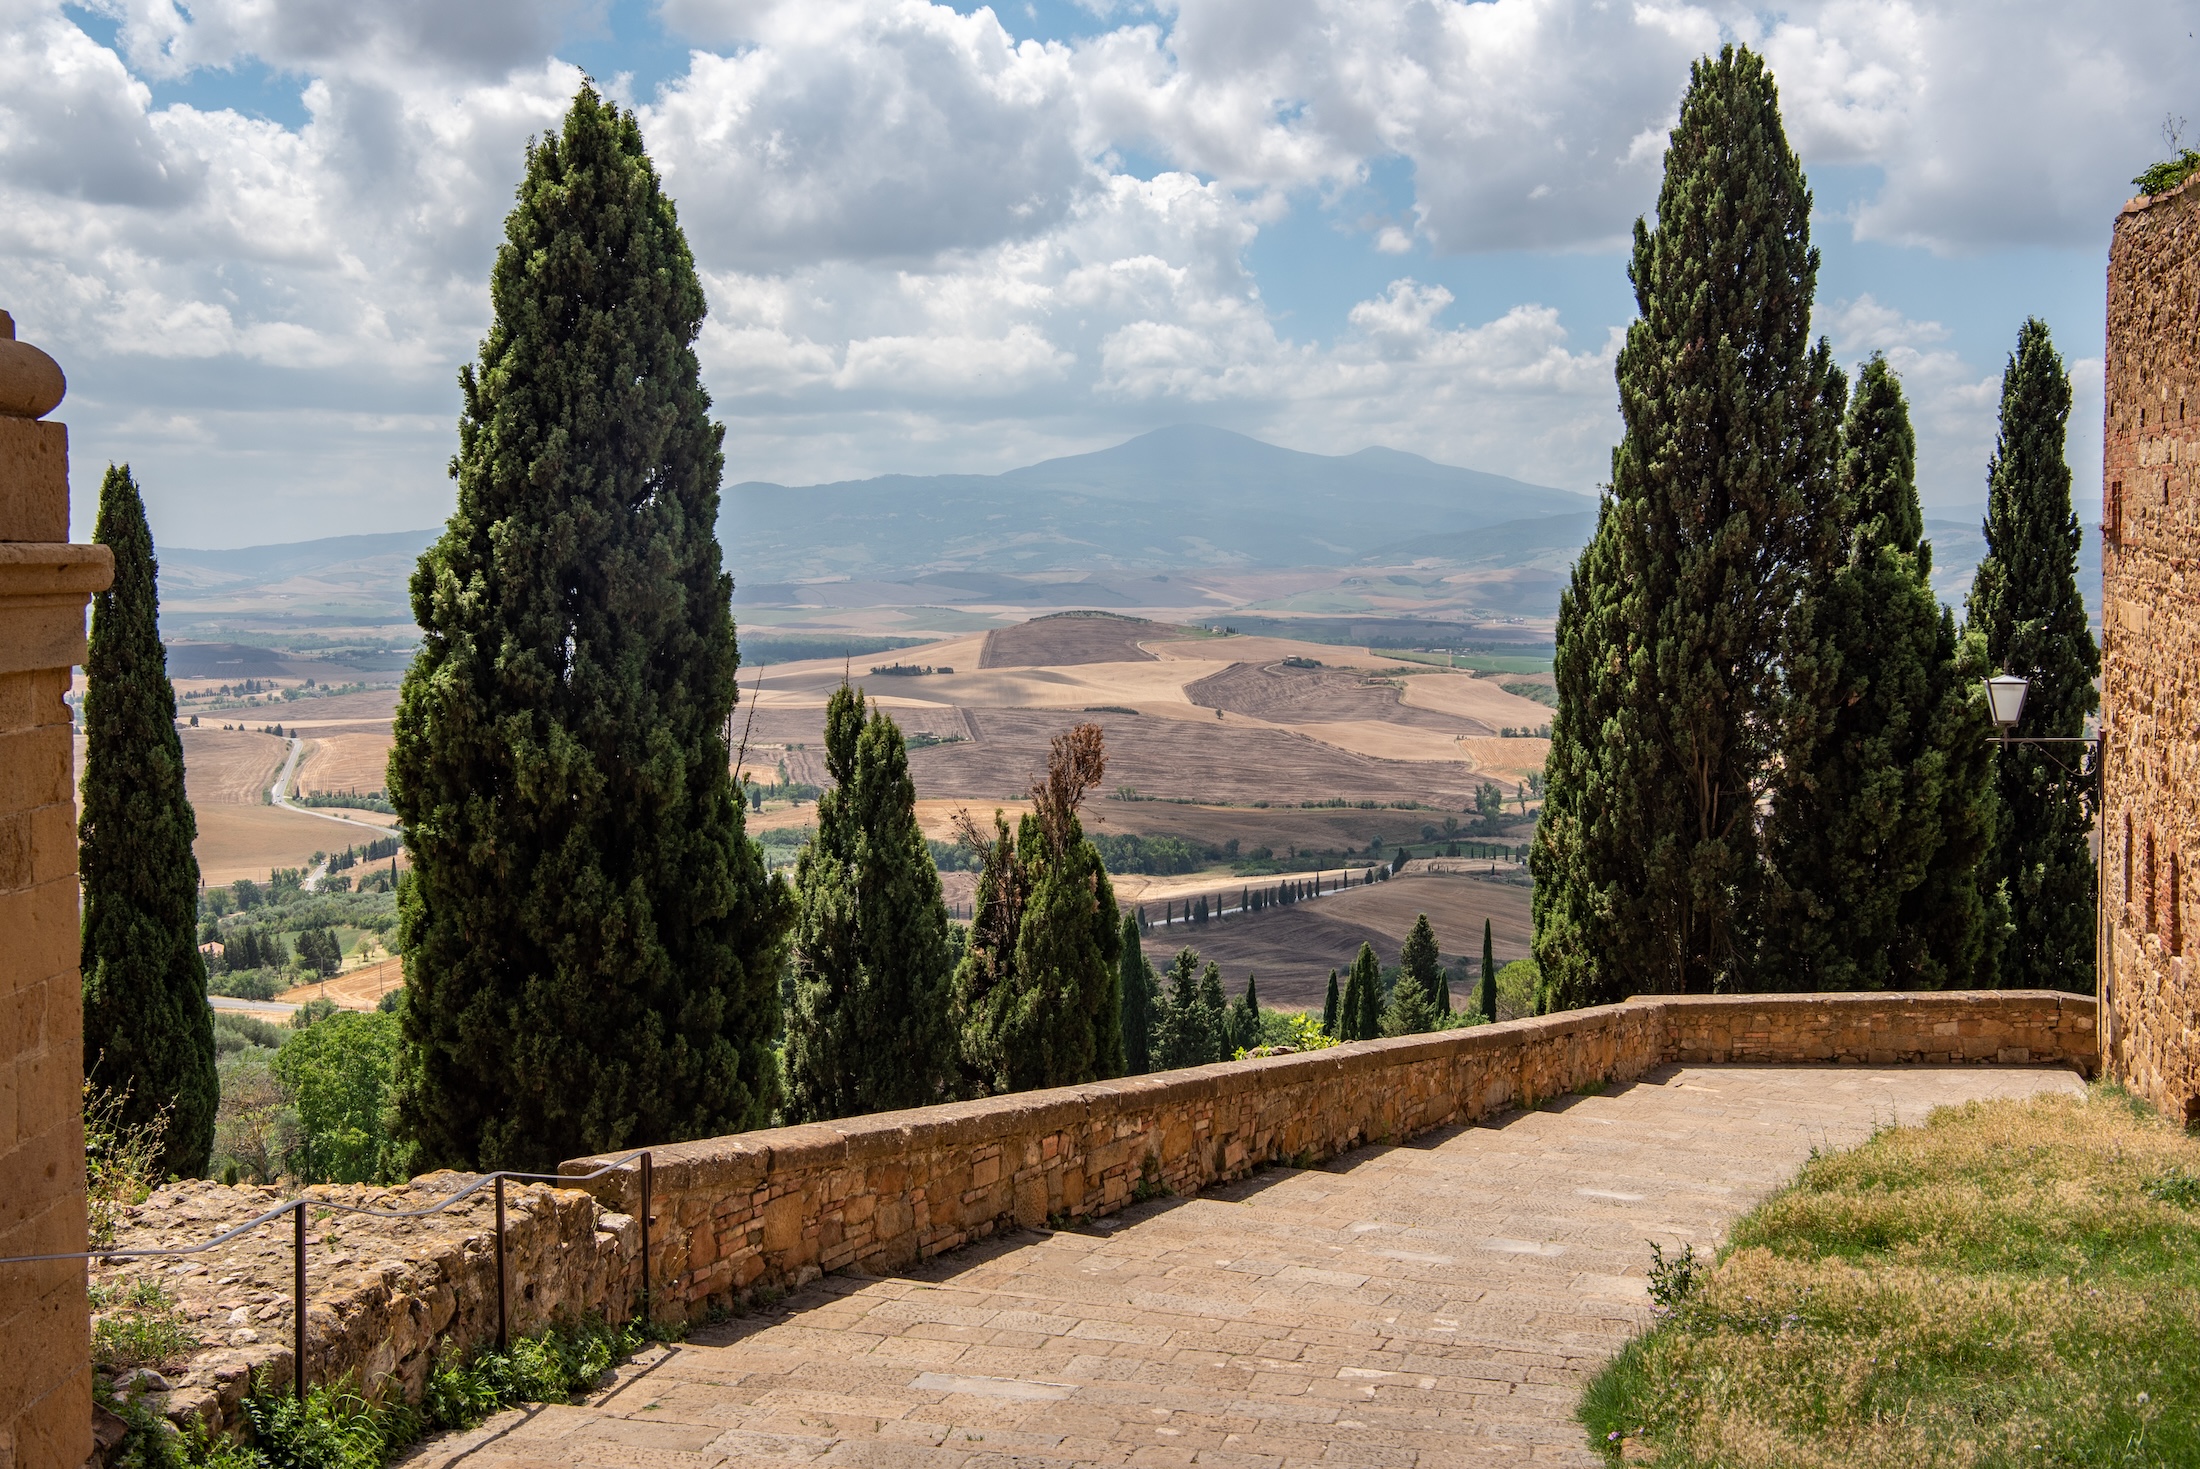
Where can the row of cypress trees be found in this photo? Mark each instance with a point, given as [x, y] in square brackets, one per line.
[1771, 767]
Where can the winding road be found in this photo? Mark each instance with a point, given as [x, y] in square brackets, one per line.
[279, 794]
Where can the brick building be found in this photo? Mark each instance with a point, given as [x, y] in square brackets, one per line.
[2150, 665]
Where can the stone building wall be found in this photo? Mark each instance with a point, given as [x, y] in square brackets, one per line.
[45, 1355]
[776, 1209]
[2150, 665]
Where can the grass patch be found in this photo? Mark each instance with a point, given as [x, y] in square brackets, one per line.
[2010, 1283]
[138, 1324]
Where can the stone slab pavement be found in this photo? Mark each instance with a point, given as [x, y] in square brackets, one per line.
[1435, 1303]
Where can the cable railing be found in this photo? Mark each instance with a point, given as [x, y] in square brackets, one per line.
[297, 1208]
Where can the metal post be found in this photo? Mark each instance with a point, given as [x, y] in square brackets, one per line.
[646, 1312]
[298, 1311]
[504, 1336]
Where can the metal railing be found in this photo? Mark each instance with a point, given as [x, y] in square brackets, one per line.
[297, 1208]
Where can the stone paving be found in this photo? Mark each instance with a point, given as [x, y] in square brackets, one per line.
[1435, 1303]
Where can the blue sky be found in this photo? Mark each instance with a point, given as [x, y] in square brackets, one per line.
[257, 237]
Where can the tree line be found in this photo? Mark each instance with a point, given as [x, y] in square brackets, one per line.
[1771, 767]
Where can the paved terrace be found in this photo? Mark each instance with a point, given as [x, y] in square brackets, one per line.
[1439, 1302]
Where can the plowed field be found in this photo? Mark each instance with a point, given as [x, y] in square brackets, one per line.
[1070, 638]
[1293, 949]
[1282, 695]
[230, 767]
[1183, 758]
[356, 760]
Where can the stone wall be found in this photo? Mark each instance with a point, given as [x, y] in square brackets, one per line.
[45, 1363]
[384, 1297]
[2150, 665]
[774, 1209]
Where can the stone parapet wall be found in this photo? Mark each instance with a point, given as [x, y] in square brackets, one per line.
[2150, 653]
[385, 1297]
[772, 1210]
[2009, 1028]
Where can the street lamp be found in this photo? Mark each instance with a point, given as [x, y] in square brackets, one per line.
[2005, 705]
[2005, 701]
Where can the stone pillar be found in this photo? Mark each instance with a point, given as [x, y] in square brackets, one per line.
[45, 1343]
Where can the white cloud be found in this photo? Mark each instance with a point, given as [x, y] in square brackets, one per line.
[922, 242]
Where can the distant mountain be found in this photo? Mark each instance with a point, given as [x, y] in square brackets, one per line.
[337, 581]
[1545, 542]
[1176, 497]
[269, 563]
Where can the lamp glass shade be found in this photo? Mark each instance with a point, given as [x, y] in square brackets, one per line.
[2005, 699]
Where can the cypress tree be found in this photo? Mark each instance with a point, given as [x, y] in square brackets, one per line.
[2025, 605]
[1215, 1011]
[1245, 1019]
[1137, 981]
[148, 1035]
[873, 1025]
[1185, 1031]
[1412, 1008]
[1329, 1008]
[1420, 962]
[1670, 632]
[1039, 984]
[592, 944]
[1489, 975]
[1884, 804]
[1367, 982]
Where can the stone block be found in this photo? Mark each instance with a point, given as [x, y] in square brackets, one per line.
[783, 1223]
[34, 480]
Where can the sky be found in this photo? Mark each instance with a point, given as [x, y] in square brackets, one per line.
[257, 233]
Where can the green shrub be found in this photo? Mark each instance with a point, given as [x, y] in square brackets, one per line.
[337, 1428]
[334, 1428]
[2169, 173]
[234, 1031]
[246, 984]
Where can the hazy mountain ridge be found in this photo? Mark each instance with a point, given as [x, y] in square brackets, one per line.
[1088, 530]
[1176, 497]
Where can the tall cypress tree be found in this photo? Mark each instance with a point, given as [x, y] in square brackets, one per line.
[1329, 1008]
[2025, 604]
[1884, 804]
[1039, 987]
[1136, 978]
[873, 1025]
[593, 945]
[1366, 1003]
[1670, 634]
[148, 1035]
[1489, 975]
